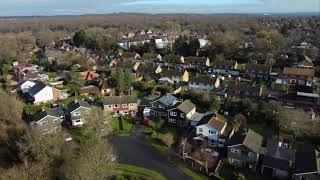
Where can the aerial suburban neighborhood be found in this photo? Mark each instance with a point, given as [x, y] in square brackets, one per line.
[160, 96]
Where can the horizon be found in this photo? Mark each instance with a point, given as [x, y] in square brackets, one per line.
[17, 8]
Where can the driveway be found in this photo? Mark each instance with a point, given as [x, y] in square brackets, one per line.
[135, 151]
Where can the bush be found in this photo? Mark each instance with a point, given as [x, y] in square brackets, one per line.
[140, 86]
[168, 139]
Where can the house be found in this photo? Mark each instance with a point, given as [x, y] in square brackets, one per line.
[277, 160]
[160, 107]
[78, 110]
[145, 102]
[225, 67]
[305, 62]
[196, 62]
[297, 75]
[202, 82]
[48, 120]
[124, 105]
[307, 165]
[174, 60]
[179, 115]
[148, 72]
[89, 91]
[258, 71]
[105, 88]
[211, 130]
[129, 56]
[244, 149]
[40, 93]
[26, 85]
[89, 75]
[150, 58]
[242, 89]
[176, 76]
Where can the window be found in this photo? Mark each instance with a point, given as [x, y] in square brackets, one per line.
[235, 161]
[152, 105]
[78, 120]
[76, 114]
[236, 151]
[131, 105]
[110, 106]
[172, 120]
[182, 115]
[173, 113]
[161, 107]
[212, 132]
[116, 105]
[200, 130]
[124, 105]
[251, 154]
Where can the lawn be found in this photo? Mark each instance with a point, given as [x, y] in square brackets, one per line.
[261, 129]
[79, 136]
[189, 172]
[139, 172]
[156, 144]
[157, 140]
[127, 124]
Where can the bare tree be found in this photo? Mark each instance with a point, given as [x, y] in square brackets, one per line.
[96, 160]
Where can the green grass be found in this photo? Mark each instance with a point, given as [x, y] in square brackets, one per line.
[241, 66]
[160, 147]
[31, 109]
[189, 172]
[135, 171]
[153, 138]
[79, 136]
[261, 129]
[127, 124]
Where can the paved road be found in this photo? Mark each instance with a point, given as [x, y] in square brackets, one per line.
[134, 150]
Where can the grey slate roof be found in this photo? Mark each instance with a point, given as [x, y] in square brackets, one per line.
[55, 112]
[168, 100]
[75, 105]
[186, 106]
[108, 100]
[203, 79]
[37, 88]
[275, 163]
[250, 139]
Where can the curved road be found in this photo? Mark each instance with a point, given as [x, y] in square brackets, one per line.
[136, 151]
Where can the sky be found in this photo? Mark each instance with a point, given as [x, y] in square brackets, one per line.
[76, 7]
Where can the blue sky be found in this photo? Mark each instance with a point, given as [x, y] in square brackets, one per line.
[74, 7]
